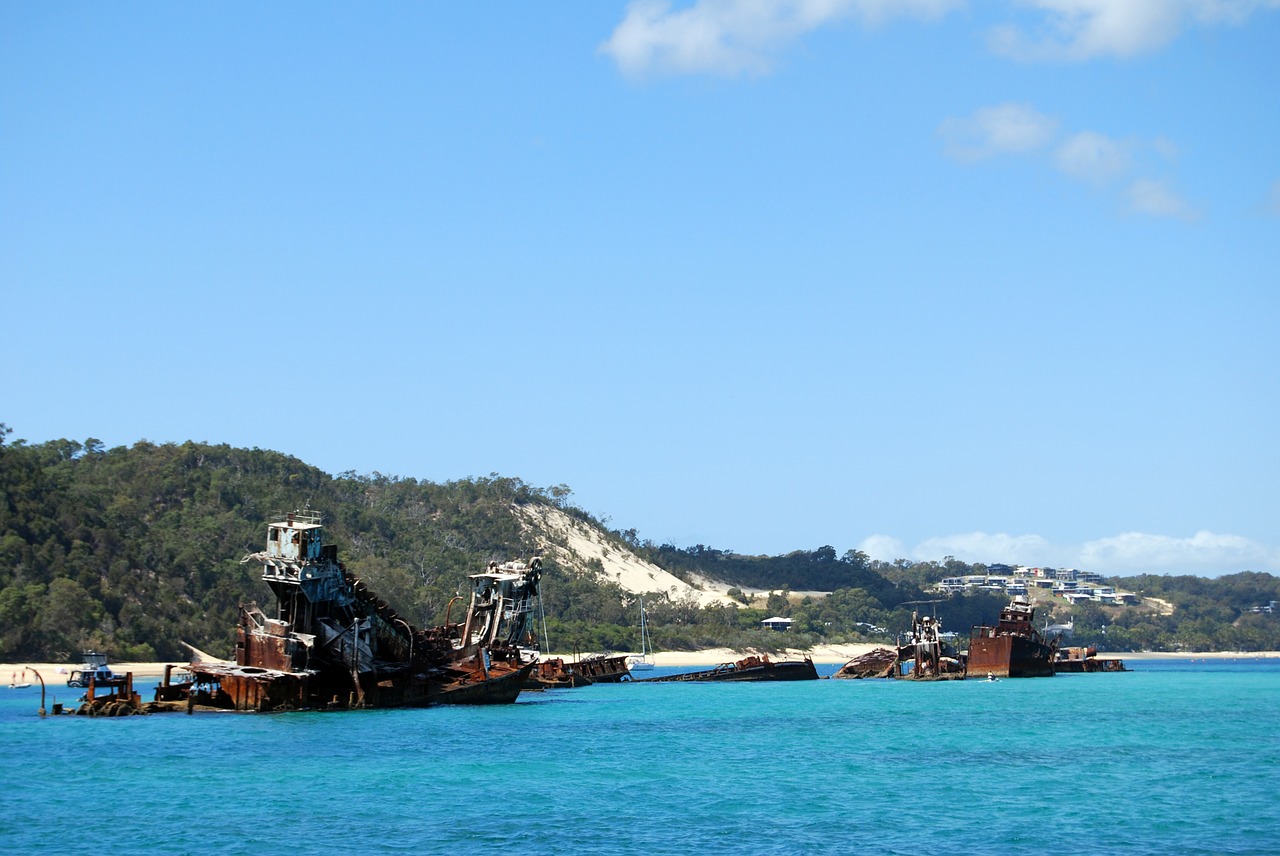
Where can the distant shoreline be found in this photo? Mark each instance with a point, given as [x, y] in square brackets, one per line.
[826, 654]
[841, 654]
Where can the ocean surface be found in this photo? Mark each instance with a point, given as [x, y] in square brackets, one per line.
[1173, 757]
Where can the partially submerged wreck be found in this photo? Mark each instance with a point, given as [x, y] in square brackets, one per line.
[1012, 648]
[753, 668]
[876, 663]
[923, 654]
[920, 655]
[109, 696]
[331, 643]
[559, 673]
[1085, 659]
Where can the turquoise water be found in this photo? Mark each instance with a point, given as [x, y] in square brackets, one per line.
[1174, 757]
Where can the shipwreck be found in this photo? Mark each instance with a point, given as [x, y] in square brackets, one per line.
[329, 642]
[559, 673]
[752, 668]
[1012, 648]
[1085, 659]
[924, 654]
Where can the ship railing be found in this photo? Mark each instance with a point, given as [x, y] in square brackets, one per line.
[305, 517]
[519, 607]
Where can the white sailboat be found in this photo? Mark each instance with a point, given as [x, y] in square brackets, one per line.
[644, 660]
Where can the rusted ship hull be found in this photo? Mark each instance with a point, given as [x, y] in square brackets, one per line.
[1092, 665]
[555, 674]
[1077, 660]
[232, 687]
[496, 689]
[552, 676]
[947, 669]
[923, 655]
[330, 643]
[747, 670]
[240, 688]
[878, 663]
[1012, 648]
[603, 670]
[1009, 657]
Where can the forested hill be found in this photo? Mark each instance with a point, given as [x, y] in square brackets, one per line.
[799, 570]
[134, 550]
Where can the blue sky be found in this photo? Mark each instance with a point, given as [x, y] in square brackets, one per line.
[994, 280]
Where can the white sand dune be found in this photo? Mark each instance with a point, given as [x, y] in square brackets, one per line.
[574, 545]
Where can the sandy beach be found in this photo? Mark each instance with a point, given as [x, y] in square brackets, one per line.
[55, 674]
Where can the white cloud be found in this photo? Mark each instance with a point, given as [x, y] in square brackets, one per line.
[1228, 11]
[1002, 129]
[1084, 155]
[1085, 29]
[732, 37]
[1203, 554]
[1148, 196]
[1093, 157]
[1082, 29]
[982, 547]
[885, 548]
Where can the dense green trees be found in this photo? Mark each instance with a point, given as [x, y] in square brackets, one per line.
[800, 570]
[1214, 614]
[138, 549]
[1208, 614]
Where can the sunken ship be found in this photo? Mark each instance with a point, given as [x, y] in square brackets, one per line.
[924, 655]
[752, 668]
[330, 642]
[1012, 648]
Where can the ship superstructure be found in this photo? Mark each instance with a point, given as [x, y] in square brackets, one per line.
[331, 642]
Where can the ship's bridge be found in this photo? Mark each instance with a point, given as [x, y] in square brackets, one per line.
[298, 537]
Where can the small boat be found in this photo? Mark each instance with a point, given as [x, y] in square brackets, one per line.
[94, 669]
[15, 684]
[753, 668]
[643, 661]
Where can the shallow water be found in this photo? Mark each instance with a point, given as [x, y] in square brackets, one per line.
[1173, 757]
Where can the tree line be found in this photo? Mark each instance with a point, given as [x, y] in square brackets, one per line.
[136, 550]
